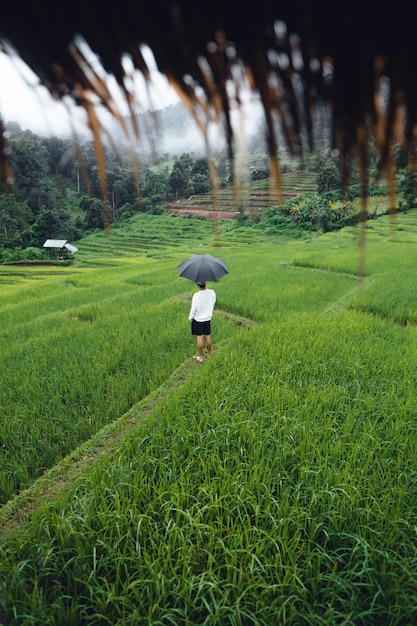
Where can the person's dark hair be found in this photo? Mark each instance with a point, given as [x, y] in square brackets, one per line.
[201, 285]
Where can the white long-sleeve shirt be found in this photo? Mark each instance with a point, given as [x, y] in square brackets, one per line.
[202, 305]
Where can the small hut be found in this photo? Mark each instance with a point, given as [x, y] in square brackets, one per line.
[60, 248]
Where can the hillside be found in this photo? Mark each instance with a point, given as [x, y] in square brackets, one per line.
[158, 235]
[253, 198]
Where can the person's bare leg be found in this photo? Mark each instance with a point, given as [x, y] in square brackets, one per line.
[208, 345]
[200, 347]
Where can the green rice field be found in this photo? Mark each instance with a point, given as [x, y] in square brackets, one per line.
[275, 483]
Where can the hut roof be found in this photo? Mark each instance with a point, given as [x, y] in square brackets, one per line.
[54, 243]
[60, 243]
[294, 54]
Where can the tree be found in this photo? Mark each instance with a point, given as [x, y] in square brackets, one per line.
[201, 166]
[201, 183]
[47, 225]
[223, 168]
[178, 180]
[200, 176]
[28, 160]
[407, 191]
[186, 163]
[93, 208]
[329, 177]
[156, 186]
[61, 156]
[14, 218]
[121, 187]
[401, 156]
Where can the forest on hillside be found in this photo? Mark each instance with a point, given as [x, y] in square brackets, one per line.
[57, 190]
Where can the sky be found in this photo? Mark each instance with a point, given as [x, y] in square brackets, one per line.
[24, 100]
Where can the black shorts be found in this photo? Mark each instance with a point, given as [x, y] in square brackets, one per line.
[200, 328]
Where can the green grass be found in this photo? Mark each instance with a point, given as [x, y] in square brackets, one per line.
[274, 484]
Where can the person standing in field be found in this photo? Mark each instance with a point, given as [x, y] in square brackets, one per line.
[202, 305]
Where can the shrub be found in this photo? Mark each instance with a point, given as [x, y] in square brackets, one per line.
[34, 254]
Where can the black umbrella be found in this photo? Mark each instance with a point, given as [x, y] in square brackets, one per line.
[202, 267]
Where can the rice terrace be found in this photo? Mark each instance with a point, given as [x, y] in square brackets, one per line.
[275, 483]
